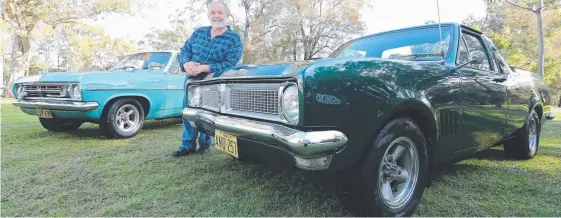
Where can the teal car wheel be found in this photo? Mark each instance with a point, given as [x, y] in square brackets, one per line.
[124, 119]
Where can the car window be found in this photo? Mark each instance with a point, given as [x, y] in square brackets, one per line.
[142, 61]
[473, 44]
[416, 44]
[463, 54]
[499, 59]
[175, 68]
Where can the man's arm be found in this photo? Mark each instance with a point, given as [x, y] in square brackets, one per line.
[186, 52]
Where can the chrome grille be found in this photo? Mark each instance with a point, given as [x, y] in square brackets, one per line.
[211, 96]
[260, 101]
[46, 90]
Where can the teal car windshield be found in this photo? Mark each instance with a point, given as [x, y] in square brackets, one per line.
[145, 60]
[415, 44]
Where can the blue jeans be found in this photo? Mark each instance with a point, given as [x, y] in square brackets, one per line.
[190, 136]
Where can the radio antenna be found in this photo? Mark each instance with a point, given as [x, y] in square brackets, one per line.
[440, 31]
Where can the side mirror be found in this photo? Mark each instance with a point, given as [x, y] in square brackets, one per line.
[475, 57]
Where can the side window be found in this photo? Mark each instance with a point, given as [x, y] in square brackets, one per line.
[473, 44]
[463, 54]
[174, 68]
[501, 62]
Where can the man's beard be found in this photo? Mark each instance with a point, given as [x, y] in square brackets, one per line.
[218, 24]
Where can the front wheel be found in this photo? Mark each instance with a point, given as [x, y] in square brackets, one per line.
[395, 172]
[124, 119]
[56, 125]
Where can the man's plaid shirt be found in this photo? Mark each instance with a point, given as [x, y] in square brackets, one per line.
[220, 53]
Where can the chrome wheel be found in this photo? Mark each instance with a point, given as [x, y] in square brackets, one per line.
[127, 118]
[398, 173]
[532, 136]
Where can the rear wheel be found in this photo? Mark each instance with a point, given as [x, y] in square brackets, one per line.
[124, 119]
[525, 144]
[395, 172]
[57, 125]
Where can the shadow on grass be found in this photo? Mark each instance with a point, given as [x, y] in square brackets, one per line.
[93, 131]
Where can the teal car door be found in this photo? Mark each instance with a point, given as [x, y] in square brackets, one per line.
[175, 89]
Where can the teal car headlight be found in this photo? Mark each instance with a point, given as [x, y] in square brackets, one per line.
[194, 96]
[290, 105]
[20, 92]
[75, 92]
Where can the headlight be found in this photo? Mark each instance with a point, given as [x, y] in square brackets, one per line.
[20, 92]
[75, 92]
[290, 105]
[194, 96]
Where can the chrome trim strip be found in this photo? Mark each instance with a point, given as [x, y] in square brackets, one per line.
[48, 83]
[132, 89]
[296, 141]
[47, 99]
[58, 105]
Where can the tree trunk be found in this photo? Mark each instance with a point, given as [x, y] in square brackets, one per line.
[19, 65]
[540, 39]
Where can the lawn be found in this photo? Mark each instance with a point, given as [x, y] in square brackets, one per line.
[83, 174]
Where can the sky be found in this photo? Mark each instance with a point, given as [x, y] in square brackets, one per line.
[384, 15]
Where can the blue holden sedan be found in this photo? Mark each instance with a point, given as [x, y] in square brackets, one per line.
[141, 86]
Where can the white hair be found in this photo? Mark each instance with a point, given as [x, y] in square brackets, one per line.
[221, 2]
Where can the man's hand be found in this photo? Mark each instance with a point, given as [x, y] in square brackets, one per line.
[201, 69]
[190, 67]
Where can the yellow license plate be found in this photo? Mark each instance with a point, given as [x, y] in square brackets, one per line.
[44, 113]
[226, 142]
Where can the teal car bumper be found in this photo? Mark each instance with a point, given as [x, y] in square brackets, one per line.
[61, 109]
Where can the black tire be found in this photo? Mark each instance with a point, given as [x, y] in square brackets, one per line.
[109, 121]
[57, 125]
[400, 129]
[521, 147]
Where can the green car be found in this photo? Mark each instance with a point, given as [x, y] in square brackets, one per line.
[379, 112]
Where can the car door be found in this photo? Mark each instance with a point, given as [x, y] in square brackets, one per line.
[483, 99]
[175, 89]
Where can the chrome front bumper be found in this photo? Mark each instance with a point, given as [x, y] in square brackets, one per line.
[300, 143]
[57, 105]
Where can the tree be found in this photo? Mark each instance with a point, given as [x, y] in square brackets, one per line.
[537, 7]
[325, 24]
[23, 16]
[184, 22]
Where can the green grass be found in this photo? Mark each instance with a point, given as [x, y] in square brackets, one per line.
[83, 174]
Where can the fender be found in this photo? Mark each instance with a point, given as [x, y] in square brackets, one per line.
[152, 113]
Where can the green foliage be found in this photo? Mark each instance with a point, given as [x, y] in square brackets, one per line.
[514, 32]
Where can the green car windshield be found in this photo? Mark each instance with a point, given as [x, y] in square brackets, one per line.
[415, 44]
[142, 61]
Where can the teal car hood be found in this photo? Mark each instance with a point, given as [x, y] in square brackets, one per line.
[284, 69]
[64, 77]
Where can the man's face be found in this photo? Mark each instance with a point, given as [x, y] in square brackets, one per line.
[217, 15]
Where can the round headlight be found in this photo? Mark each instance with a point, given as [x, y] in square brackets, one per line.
[63, 91]
[20, 92]
[194, 96]
[290, 104]
[75, 92]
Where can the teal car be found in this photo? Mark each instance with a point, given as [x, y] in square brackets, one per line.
[142, 86]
